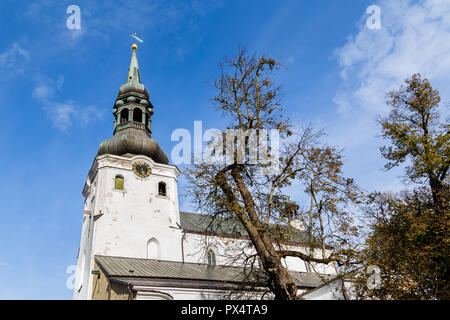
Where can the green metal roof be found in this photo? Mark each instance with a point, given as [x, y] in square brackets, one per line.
[150, 268]
[229, 226]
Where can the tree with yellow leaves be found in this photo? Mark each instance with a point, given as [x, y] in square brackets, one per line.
[410, 230]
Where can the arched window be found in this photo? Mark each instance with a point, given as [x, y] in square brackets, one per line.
[211, 257]
[162, 190]
[124, 115]
[153, 249]
[118, 182]
[137, 115]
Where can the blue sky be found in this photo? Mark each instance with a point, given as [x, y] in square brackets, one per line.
[58, 86]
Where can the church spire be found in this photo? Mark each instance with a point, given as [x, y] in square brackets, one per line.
[132, 119]
[133, 71]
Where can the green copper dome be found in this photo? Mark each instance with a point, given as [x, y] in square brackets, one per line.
[133, 141]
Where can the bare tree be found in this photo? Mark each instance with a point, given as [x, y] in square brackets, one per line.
[259, 200]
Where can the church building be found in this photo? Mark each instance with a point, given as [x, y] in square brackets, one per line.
[135, 242]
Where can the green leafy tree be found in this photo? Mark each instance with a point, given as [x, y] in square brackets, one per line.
[410, 230]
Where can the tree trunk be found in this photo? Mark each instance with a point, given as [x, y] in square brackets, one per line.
[280, 281]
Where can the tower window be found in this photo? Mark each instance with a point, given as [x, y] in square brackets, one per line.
[124, 115]
[137, 115]
[162, 189]
[118, 182]
[211, 257]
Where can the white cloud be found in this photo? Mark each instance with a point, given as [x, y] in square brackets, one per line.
[414, 38]
[90, 114]
[43, 92]
[46, 88]
[14, 58]
[63, 114]
[60, 114]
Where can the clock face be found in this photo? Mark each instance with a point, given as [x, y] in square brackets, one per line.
[142, 169]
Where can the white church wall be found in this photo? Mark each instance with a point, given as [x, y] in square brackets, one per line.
[85, 257]
[126, 220]
[229, 251]
[83, 279]
[133, 216]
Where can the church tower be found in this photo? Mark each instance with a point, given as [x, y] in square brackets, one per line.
[131, 198]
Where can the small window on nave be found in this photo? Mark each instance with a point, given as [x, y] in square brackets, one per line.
[211, 257]
[162, 189]
[118, 182]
